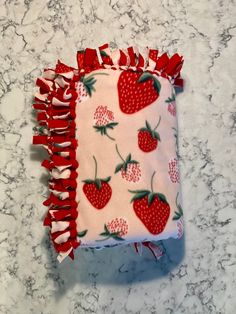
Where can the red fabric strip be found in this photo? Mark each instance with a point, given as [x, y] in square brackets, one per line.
[41, 106]
[66, 213]
[103, 47]
[57, 124]
[123, 59]
[153, 53]
[89, 57]
[39, 139]
[162, 62]
[131, 56]
[174, 65]
[43, 86]
[64, 247]
[80, 59]
[41, 116]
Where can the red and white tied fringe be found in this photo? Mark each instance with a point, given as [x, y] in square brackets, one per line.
[55, 103]
[132, 60]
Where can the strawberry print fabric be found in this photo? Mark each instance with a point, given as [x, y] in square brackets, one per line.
[110, 128]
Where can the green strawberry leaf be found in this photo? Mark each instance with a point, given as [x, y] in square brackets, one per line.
[139, 195]
[138, 191]
[176, 218]
[179, 206]
[143, 129]
[104, 234]
[98, 128]
[103, 53]
[106, 179]
[89, 181]
[119, 167]
[170, 99]
[82, 233]
[156, 85]
[88, 90]
[133, 162]
[117, 238]
[144, 77]
[115, 233]
[177, 214]
[98, 183]
[125, 166]
[89, 84]
[156, 135]
[128, 158]
[162, 197]
[111, 125]
[106, 229]
[151, 197]
[103, 128]
[149, 128]
[93, 89]
[89, 81]
[180, 210]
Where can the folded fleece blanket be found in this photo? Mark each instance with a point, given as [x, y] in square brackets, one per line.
[110, 129]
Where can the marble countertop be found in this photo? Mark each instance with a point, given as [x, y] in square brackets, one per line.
[197, 275]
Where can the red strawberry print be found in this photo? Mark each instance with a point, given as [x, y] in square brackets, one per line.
[148, 138]
[82, 92]
[62, 68]
[118, 225]
[171, 105]
[137, 90]
[103, 115]
[151, 208]
[153, 53]
[174, 170]
[97, 191]
[129, 168]
[115, 229]
[104, 121]
[132, 173]
[179, 218]
[172, 108]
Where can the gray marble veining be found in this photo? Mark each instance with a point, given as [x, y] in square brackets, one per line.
[197, 274]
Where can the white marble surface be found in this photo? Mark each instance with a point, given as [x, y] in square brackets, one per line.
[198, 274]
